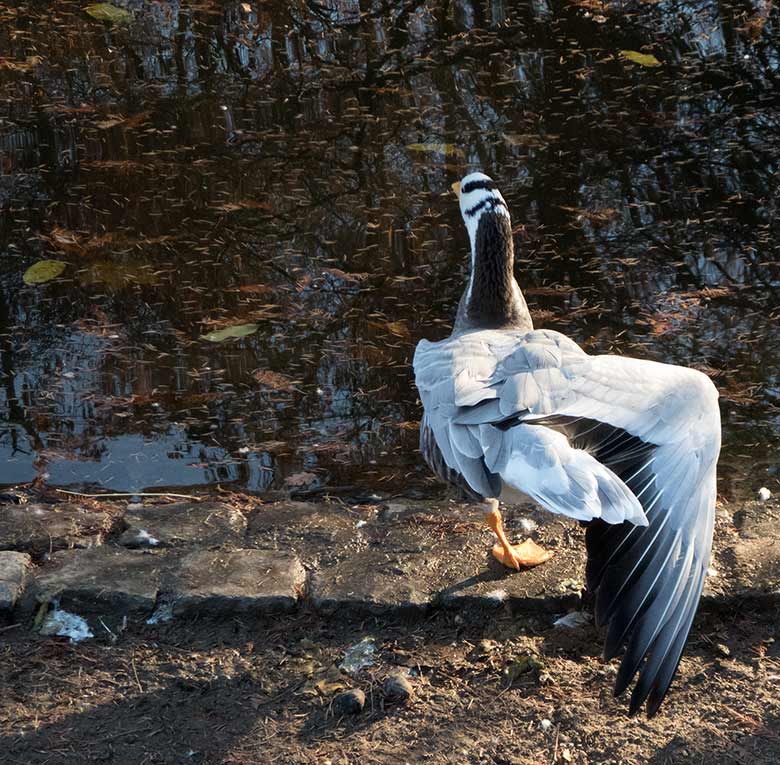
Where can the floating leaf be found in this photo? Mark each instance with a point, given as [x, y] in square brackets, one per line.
[272, 380]
[398, 328]
[43, 271]
[21, 66]
[109, 122]
[527, 140]
[64, 240]
[237, 330]
[344, 276]
[77, 244]
[108, 12]
[643, 59]
[448, 149]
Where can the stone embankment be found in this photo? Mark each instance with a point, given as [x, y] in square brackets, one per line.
[113, 562]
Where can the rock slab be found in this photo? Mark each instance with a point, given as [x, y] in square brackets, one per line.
[373, 582]
[14, 567]
[183, 524]
[101, 580]
[113, 581]
[235, 581]
[39, 529]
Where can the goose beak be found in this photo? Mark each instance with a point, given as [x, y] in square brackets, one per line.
[456, 188]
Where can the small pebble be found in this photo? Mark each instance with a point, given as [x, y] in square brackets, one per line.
[764, 494]
[722, 649]
[349, 702]
[397, 688]
[546, 724]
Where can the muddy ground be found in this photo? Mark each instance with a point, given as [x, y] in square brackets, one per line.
[253, 691]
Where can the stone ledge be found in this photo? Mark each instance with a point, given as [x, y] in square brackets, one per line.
[100, 580]
[235, 581]
[181, 524]
[404, 559]
[373, 582]
[113, 582]
[14, 568]
[40, 529]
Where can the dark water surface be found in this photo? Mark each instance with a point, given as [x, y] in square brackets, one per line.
[288, 165]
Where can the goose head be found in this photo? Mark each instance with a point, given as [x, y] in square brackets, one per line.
[478, 194]
[492, 299]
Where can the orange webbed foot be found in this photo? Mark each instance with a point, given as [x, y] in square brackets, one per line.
[524, 555]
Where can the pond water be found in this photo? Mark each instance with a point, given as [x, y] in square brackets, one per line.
[287, 166]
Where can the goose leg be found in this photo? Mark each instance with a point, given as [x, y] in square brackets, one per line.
[526, 554]
[502, 551]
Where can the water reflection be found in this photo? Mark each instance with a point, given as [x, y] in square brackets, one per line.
[287, 165]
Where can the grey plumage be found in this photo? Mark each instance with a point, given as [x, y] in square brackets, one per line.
[630, 446]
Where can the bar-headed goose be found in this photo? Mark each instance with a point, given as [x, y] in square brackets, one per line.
[628, 446]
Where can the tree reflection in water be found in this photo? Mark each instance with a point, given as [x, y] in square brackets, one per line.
[288, 165]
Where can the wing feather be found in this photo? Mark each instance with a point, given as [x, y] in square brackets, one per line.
[615, 440]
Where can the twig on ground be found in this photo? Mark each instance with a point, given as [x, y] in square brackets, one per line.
[131, 494]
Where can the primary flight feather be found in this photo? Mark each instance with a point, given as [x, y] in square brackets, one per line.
[626, 445]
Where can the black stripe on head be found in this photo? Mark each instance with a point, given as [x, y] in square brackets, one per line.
[492, 201]
[474, 185]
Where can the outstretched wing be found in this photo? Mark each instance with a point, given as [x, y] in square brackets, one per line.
[654, 427]
[480, 392]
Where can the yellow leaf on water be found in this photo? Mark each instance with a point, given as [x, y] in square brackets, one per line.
[237, 330]
[398, 328]
[448, 149]
[108, 12]
[21, 66]
[643, 59]
[43, 271]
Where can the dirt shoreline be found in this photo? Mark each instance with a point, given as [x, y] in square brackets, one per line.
[228, 676]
